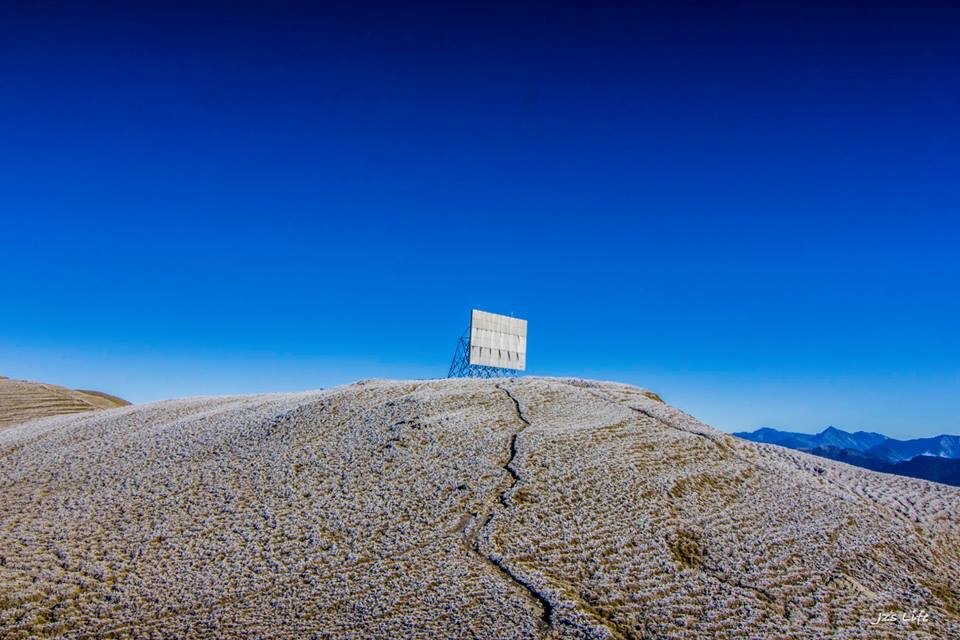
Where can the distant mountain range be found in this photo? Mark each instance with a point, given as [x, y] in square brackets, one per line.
[936, 458]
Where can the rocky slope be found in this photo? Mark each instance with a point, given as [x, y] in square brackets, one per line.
[21, 401]
[531, 508]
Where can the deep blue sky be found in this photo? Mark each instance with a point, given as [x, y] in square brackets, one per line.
[752, 209]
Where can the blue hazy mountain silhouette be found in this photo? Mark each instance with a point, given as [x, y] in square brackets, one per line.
[936, 458]
[900, 450]
[829, 437]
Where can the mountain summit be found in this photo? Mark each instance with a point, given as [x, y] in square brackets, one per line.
[858, 441]
[525, 508]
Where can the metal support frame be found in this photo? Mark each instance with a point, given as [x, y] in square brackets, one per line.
[460, 366]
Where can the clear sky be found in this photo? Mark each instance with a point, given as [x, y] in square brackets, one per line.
[751, 209]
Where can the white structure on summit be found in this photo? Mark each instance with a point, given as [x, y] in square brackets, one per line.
[494, 346]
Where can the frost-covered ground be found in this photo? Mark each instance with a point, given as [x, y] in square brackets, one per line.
[456, 509]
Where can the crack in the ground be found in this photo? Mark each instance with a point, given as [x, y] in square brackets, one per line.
[475, 530]
[521, 413]
[515, 477]
[476, 535]
[509, 468]
[545, 604]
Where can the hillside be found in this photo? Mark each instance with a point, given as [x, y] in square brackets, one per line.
[455, 509]
[21, 401]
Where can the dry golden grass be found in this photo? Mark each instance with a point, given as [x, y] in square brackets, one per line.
[528, 508]
[21, 401]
